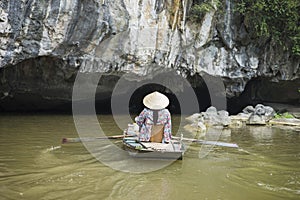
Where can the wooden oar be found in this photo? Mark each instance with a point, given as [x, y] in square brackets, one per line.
[76, 140]
[223, 144]
[86, 139]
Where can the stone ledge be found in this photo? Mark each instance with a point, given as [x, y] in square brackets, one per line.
[285, 121]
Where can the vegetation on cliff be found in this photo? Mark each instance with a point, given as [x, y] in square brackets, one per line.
[274, 20]
[278, 20]
[200, 7]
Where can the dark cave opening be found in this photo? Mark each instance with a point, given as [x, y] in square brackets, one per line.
[45, 84]
[277, 94]
[184, 99]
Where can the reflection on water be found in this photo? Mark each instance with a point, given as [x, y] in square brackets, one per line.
[35, 165]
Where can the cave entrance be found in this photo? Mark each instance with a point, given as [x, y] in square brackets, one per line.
[200, 90]
[277, 94]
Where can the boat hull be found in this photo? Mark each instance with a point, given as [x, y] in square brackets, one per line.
[151, 150]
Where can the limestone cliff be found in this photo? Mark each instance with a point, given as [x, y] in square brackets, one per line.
[43, 44]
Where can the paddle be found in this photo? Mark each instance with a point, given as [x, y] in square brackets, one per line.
[223, 144]
[75, 140]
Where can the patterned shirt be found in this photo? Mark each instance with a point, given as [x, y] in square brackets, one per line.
[145, 122]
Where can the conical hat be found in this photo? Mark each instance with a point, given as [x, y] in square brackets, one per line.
[156, 101]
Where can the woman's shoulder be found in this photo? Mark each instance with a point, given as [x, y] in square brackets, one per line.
[165, 111]
[146, 110]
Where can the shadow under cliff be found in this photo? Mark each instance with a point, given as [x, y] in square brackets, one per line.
[45, 84]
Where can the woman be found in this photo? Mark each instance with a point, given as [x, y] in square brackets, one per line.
[155, 120]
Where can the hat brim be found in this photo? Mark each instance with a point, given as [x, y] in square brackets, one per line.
[157, 102]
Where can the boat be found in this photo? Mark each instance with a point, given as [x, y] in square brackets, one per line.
[174, 150]
[154, 150]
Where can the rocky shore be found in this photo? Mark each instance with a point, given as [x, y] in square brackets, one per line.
[260, 115]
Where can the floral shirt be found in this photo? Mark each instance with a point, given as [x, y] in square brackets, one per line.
[145, 122]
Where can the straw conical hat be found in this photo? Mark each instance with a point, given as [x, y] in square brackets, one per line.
[156, 101]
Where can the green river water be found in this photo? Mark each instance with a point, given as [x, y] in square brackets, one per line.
[35, 165]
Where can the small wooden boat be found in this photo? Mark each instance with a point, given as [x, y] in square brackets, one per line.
[153, 150]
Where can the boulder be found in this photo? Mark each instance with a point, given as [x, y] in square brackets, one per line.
[259, 110]
[224, 118]
[296, 114]
[198, 128]
[194, 118]
[211, 110]
[201, 126]
[256, 120]
[243, 116]
[248, 109]
[270, 112]
[212, 117]
[259, 115]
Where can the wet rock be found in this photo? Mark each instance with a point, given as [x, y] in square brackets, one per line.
[196, 128]
[269, 112]
[259, 115]
[259, 110]
[248, 109]
[266, 111]
[196, 124]
[201, 126]
[243, 116]
[296, 114]
[211, 110]
[255, 119]
[194, 118]
[224, 114]
[212, 117]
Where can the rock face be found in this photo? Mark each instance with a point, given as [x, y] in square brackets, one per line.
[48, 42]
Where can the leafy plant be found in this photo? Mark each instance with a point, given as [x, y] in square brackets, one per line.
[285, 115]
[200, 8]
[278, 20]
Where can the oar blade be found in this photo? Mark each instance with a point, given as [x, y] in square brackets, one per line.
[70, 140]
[206, 142]
[86, 139]
[223, 144]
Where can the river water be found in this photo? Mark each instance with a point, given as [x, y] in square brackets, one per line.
[35, 165]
